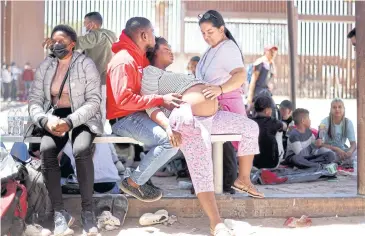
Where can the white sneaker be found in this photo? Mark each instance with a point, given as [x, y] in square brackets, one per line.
[239, 227]
[222, 230]
[154, 218]
[36, 230]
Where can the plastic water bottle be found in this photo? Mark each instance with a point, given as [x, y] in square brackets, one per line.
[17, 122]
[11, 117]
[322, 131]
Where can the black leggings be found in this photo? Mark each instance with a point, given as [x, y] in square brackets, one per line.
[82, 147]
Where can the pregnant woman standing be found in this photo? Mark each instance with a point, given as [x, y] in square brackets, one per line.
[222, 68]
[191, 125]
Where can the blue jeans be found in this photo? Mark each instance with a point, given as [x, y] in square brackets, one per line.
[141, 128]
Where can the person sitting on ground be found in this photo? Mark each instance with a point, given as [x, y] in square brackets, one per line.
[303, 149]
[191, 125]
[192, 65]
[106, 172]
[335, 130]
[269, 127]
[59, 109]
[126, 107]
[286, 111]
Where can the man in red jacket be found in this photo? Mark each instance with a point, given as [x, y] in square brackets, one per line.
[126, 107]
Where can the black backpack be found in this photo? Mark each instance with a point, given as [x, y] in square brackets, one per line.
[39, 203]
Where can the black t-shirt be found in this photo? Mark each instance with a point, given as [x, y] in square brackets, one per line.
[285, 138]
[269, 153]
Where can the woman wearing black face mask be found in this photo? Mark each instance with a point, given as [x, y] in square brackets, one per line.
[58, 109]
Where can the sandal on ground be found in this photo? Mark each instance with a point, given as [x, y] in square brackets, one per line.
[249, 189]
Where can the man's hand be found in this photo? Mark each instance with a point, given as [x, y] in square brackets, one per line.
[212, 92]
[174, 137]
[47, 43]
[319, 143]
[171, 101]
[62, 127]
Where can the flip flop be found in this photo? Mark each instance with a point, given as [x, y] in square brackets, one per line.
[154, 218]
[250, 190]
[120, 208]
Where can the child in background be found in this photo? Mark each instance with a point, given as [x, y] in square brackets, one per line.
[335, 130]
[286, 111]
[303, 149]
[269, 126]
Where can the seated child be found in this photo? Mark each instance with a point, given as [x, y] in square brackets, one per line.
[335, 130]
[286, 110]
[269, 127]
[303, 149]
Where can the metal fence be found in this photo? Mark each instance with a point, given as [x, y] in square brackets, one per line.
[326, 59]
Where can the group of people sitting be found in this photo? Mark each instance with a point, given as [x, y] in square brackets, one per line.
[302, 146]
[165, 111]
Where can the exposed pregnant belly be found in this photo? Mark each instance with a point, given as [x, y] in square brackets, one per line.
[199, 104]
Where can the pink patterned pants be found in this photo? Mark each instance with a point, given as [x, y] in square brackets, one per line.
[196, 144]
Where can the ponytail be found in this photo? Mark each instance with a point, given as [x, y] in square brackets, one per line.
[230, 36]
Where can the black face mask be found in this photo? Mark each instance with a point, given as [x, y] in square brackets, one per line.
[60, 50]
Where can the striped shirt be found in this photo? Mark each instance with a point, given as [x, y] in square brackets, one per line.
[300, 144]
[160, 82]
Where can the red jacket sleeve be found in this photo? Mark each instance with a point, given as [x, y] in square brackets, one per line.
[125, 86]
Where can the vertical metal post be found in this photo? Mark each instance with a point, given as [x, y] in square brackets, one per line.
[360, 77]
[217, 154]
[292, 50]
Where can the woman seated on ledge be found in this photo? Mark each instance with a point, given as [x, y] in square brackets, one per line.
[76, 108]
[191, 125]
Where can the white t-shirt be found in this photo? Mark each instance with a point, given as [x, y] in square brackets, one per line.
[216, 63]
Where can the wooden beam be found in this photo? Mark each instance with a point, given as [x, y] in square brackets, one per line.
[360, 76]
[326, 18]
[243, 15]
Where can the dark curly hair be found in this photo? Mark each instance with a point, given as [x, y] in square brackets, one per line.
[67, 30]
[151, 54]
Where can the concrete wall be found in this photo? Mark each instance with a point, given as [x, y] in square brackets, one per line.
[27, 32]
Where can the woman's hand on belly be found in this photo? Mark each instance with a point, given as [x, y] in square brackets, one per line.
[200, 105]
[212, 91]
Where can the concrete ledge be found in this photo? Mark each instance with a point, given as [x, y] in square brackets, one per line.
[240, 206]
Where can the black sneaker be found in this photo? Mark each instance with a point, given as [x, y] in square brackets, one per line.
[145, 193]
[61, 227]
[89, 223]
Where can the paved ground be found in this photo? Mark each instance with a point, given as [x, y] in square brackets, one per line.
[198, 227]
[322, 226]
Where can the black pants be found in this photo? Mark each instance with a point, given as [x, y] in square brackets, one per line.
[313, 160]
[82, 147]
[229, 166]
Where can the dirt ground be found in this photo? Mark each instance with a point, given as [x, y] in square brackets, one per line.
[260, 227]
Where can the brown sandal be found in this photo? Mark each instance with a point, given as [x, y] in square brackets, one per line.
[250, 190]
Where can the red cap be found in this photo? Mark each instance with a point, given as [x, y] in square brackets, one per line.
[270, 47]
